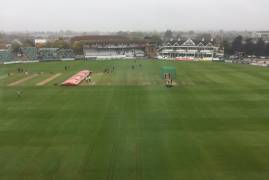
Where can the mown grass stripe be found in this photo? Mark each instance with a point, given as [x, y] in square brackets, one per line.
[23, 80]
[44, 82]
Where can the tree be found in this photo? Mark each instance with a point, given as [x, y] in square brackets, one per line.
[49, 44]
[260, 49]
[16, 47]
[122, 33]
[168, 35]
[136, 35]
[249, 47]
[77, 47]
[267, 49]
[204, 36]
[155, 39]
[237, 45]
[28, 43]
[61, 43]
[227, 47]
[178, 36]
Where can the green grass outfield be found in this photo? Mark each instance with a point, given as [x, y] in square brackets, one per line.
[212, 125]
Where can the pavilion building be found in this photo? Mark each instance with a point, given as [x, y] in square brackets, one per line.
[189, 51]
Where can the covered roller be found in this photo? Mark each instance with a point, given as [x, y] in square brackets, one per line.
[77, 78]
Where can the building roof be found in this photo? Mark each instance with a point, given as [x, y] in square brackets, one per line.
[266, 32]
[41, 41]
[189, 42]
[98, 38]
[200, 44]
[107, 38]
[2, 46]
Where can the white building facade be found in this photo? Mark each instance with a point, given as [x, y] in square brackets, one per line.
[189, 51]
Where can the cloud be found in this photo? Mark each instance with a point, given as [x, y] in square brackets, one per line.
[112, 15]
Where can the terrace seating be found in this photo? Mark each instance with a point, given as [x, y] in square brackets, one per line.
[30, 52]
[65, 54]
[48, 54]
[105, 53]
[93, 52]
[139, 53]
[6, 55]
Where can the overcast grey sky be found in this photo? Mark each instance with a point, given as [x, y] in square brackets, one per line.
[114, 15]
